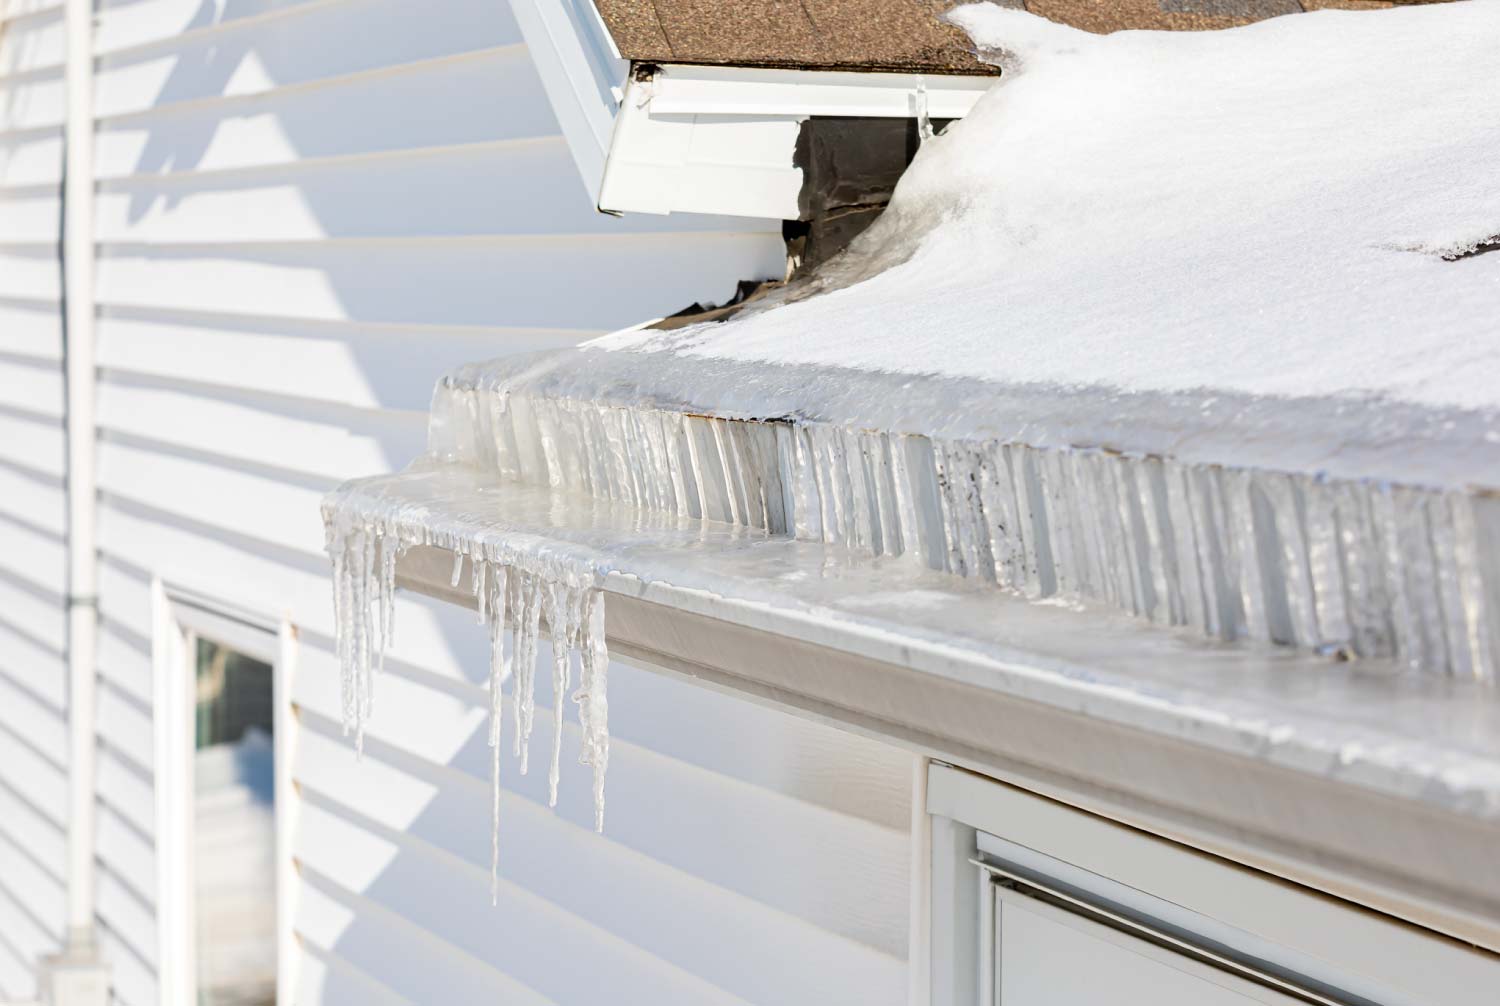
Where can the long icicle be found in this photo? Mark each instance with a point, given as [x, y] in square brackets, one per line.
[557, 618]
[593, 701]
[498, 670]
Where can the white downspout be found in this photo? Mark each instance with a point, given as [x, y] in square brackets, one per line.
[75, 977]
[83, 618]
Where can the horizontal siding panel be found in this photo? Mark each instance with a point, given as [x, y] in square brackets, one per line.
[125, 725]
[35, 499]
[39, 893]
[363, 366]
[30, 271]
[449, 191]
[32, 329]
[37, 42]
[310, 438]
[132, 980]
[487, 96]
[34, 102]
[44, 839]
[130, 857]
[31, 159]
[458, 281]
[261, 54]
[22, 942]
[862, 868]
[690, 920]
[15, 10]
[125, 24]
[343, 924]
[224, 563]
[32, 554]
[122, 662]
[533, 941]
[130, 919]
[32, 386]
[124, 655]
[37, 667]
[272, 509]
[30, 215]
[29, 609]
[126, 790]
[39, 725]
[35, 446]
[39, 781]
[326, 978]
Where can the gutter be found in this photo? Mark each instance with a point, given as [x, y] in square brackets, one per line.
[1324, 773]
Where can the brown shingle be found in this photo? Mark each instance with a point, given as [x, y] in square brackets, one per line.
[869, 34]
[889, 34]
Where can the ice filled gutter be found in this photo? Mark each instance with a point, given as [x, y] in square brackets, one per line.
[1257, 746]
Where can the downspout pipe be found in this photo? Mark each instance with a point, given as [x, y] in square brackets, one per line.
[78, 350]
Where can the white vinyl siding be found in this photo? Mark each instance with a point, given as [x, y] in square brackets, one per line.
[307, 211]
[33, 511]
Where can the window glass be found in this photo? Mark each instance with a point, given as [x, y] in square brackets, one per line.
[234, 837]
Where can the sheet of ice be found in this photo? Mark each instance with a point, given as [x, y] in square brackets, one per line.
[1263, 210]
[1349, 564]
[1169, 322]
[1414, 736]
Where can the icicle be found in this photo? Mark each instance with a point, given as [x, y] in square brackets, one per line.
[528, 618]
[458, 569]
[593, 702]
[389, 556]
[480, 597]
[557, 620]
[919, 105]
[497, 678]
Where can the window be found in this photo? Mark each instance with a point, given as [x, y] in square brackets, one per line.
[223, 786]
[234, 828]
[1035, 903]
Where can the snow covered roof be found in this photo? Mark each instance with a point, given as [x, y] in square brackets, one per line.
[1296, 210]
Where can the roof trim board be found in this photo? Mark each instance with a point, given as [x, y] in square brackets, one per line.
[582, 73]
[715, 139]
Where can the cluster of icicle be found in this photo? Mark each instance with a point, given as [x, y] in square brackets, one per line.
[1354, 568]
[510, 587]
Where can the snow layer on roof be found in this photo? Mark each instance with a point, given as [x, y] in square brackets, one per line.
[1274, 210]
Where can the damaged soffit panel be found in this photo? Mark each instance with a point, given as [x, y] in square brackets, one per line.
[903, 35]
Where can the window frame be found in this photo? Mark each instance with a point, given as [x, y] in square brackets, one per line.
[1342, 946]
[181, 616]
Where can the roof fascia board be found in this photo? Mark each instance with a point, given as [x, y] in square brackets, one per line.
[722, 140]
[730, 90]
[582, 73]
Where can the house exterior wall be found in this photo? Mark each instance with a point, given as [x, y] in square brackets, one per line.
[33, 511]
[307, 210]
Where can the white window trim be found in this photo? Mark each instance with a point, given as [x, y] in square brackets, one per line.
[178, 616]
[1390, 961]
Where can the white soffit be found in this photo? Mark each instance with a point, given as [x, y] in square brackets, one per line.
[716, 139]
